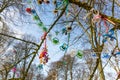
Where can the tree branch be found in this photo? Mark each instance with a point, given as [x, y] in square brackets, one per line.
[19, 39]
[92, 75]
[110, 19]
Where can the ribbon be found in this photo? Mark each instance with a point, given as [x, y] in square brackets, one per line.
[97, 18]
[109, 35]
[118, 53]
[45, 46]
[44, 36]
[111, 32]
[44, 54]
[105, 23]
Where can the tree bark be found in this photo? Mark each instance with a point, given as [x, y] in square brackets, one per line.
[94, 70]
[100, 68]
[66, 71]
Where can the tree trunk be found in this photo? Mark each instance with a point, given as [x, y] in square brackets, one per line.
[71, 66]
[6, 73]
[66, 71]
[100, 68]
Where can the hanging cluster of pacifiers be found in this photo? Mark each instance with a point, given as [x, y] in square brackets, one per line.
[44, 57]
